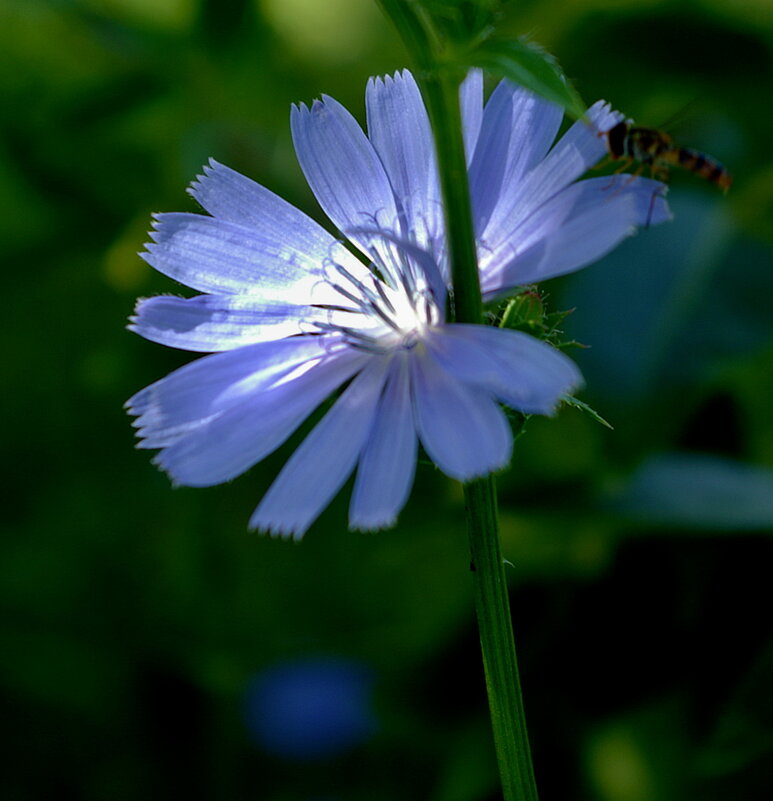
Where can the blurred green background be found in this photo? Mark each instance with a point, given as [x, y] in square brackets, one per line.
[135, 616]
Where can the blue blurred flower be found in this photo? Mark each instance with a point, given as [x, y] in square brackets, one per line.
[294, 315]
[310, 709]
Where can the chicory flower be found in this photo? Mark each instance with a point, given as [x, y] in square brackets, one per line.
[290, 314]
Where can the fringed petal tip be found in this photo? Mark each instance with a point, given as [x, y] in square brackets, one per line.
[138, 404]
[159, 461]
[493, 468]
[369, 526]
[166, 223]
[398, 76]
[276, 529]
[146, 445]
[602, 116]
[207, 170]
[133, 318]
[211, 166]
[286, 530]
[317, 106]
[175, 482]
[155, 233]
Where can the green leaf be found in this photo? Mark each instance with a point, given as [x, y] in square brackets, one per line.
[576, 403]
[458, 21]
[698, 491]
[524, 312]
[527, 64]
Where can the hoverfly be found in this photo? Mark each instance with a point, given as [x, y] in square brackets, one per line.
[656, 150]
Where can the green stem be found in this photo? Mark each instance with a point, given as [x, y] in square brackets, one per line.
[441, 92]
[405, 18]
[492, 605]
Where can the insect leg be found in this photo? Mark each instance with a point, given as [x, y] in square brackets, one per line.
[627, 161]
[657, 192]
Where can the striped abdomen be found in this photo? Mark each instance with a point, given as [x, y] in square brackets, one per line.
[698, 163]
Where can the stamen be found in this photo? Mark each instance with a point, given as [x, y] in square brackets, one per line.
[380, 289]
[394, 299]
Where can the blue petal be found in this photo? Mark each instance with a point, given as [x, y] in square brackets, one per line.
[210, 323]
[244, 432]
[471, 101]
[527, 374]
[341, 166]
[649, 196]
[190, 396]
[220, 257]
[388, 462]
[579, 149]
[230, 196]
[399, 129]
[575, 228]
[324, 460]
[461, 426]
[518, 129]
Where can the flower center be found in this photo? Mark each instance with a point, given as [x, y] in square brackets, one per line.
[386, 308]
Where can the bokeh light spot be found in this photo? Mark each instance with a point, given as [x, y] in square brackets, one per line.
[310, 709]
[336, 31]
